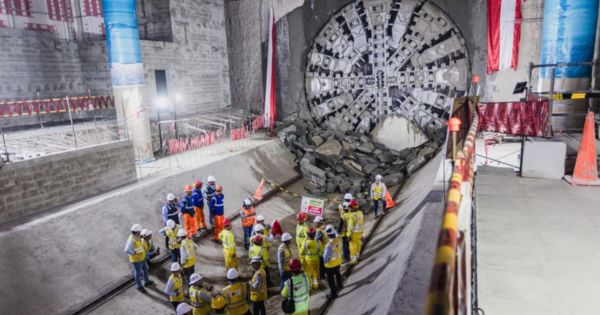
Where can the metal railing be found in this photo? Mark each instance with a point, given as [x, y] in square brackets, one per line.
[450, 286]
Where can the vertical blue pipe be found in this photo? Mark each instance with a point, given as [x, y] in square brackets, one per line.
[123, 41]
[569, 32]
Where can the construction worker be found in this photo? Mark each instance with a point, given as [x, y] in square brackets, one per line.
[228, 241]
[266, 244]
[151, 251]
[200, 297]
[170, 233]
[217, 208]
[198, 201]
[258, 287]
[333, 259]
[310, 251]
[188, 215]
[218, 304]
[209, 191]
[184, 309]
[170, 211]
[174, 288]
[187, 254]
[235, 295]
[355, 227]
[257, 249]
[377, 192]
[321, 236]
[284, 255]
[248, 219]
[299, 284]
[137, 256]
[343, 227]
[301, 229]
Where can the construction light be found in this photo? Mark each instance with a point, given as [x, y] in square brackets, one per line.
[162, 102]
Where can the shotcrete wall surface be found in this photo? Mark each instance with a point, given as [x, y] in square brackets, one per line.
[66, 257]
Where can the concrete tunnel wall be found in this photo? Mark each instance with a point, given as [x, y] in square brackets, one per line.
[64, 258]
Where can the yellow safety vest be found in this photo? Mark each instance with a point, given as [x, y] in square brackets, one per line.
[172, 237]
[301, 230]
[359, 217]
[259, 294]
[347, 217]
[377, 191]
[323, 241]
[235, 295]
[261, 252]
[287, 256]
[197, 302]
[311, 249]
[138, 249]
[336, 253]
[227, 240]
[188, 246]
[177, 287]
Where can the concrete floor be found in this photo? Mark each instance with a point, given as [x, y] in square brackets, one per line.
[537, 245]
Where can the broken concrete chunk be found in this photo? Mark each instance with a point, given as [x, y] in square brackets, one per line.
[329, 151]
[366, 147]
[317, 140]
[415, 164]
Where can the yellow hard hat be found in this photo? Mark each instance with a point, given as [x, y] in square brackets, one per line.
[218, 302]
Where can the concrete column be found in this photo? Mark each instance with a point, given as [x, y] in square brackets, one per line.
[127, 73]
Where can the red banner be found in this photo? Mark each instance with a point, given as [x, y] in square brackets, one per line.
[258, 123]
[56, 105]
[191, 143]
[514, 118]
[238, 133]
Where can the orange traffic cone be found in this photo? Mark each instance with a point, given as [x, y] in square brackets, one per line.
[258, 195]
[586, 166]
[389, 202]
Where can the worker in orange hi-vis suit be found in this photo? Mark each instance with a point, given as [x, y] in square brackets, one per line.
[187, 212]
[217, 209]
[198, 201]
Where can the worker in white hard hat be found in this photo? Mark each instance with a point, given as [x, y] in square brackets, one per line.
[343, 227]
[184, 309]
[200, 297]
[209, 191]
[170, 233]
[175, 289]
[258, 287]
[284, 254]
[248, 216]
[235, 295]
[266, 240]
[333, 259]
[377, 192]
[347, 198]
[322, 237]
[187, 254]
[151, 250]
[137, 256]
[170, 211]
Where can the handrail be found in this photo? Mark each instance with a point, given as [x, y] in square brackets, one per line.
[446, 289]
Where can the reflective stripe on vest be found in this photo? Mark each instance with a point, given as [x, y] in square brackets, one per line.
[311, 249]
[336, 253]
[301, 292]
[172, 236]
[248, 217]
[300, 234]
[235, 294]
[188, 245]
[259, 294]
[171, 210]
[138, 249]
[227, 240]
[195, 297]
[177, 287]
[377, 191]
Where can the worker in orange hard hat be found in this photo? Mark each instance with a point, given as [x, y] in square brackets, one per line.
[187, 211]
[217, 208]
[198, 201]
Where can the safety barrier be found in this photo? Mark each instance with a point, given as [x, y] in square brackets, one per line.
[527, 118]
[55, 105]
[191, 143]
[450, 286]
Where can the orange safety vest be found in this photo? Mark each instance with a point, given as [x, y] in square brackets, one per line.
[248, 217]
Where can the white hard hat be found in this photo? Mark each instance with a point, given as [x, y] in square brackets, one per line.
[330, 229]
[146, 232]
[348, 196]
[318, 219]
[181, 233]
[136, 228]
[378, 177]
[170, 197]
[259, 227]
[247, 202]
[175, 267]
[183, 308]
[170, 224]
[255, 259]
[260, 217]
[232, 274]
[346, 205]
[194, 278]
[210, 179]
[286, 237]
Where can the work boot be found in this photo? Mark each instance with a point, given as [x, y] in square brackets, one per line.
[141, 289]
[149, 282]
[331, 296]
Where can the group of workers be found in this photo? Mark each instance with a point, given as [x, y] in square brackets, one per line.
[321, 250]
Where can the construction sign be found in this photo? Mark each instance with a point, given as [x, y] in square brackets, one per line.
[312, 206]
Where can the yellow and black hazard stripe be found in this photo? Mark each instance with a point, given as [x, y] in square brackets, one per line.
[574, 96]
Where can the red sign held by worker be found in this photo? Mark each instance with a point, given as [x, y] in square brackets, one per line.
[312, 206]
